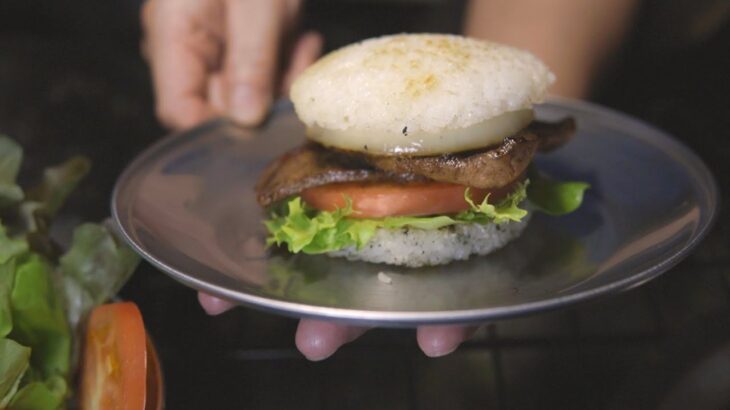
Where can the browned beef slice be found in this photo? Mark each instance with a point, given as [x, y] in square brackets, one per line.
[488, 169]
[553, 134]
[313, 165]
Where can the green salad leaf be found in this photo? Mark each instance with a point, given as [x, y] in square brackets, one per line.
[47, 395]
[555, 197]
[11, 156]
[507, 210]
[14, 364]
[308, 230]
[45, 199]
[44, 298]
[59, 181]
[94, 269]
[39, 320]
[36, 350]
[10, 247]
[7, 277]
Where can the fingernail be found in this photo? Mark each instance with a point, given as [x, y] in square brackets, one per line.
[439, 349]
[318, 357]
[248, 105]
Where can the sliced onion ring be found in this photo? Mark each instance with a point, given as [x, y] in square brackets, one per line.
[418, 143]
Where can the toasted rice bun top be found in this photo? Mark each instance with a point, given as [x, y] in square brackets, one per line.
[419, 94]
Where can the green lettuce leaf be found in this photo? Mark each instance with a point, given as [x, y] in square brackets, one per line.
[9, 250]
[13, 365]
[11, 155]
[555, 197]
[9, 247]
[7, 277]
[48, 395]
[94, 269]
[39, 320]
[44, 298]
[45, 199]
[58, 182]
[303, 229]
[507, 210]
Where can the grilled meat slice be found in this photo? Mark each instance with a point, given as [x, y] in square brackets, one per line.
[480, 169]
[488, 169]
[553, 134]
[313, 165]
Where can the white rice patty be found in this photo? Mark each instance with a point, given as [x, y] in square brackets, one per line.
[420, 247]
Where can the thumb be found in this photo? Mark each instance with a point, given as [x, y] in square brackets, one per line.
[253, 36]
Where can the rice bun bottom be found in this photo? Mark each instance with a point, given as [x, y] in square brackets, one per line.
[418, 247]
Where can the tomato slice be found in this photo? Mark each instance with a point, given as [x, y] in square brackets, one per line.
[381, 199]
[115, 359]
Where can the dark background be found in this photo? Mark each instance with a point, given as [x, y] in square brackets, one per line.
[72, 81]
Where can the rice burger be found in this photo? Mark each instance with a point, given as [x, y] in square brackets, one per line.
[417, 154]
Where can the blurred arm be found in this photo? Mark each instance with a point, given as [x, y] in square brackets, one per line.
[573, 37]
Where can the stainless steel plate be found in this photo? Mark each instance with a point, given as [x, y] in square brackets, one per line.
[187, 205]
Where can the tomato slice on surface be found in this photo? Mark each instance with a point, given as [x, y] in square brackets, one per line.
[114, 372]
[381, 199]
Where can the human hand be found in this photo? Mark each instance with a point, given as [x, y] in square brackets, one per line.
[318, 340]
[222, 57]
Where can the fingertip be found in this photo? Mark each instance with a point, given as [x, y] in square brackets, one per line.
[318, 340]
[213, 305]
[181, 113]
[437, 341]
[253, 34]
[249, 104]
[312, 42]
[435, 346]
